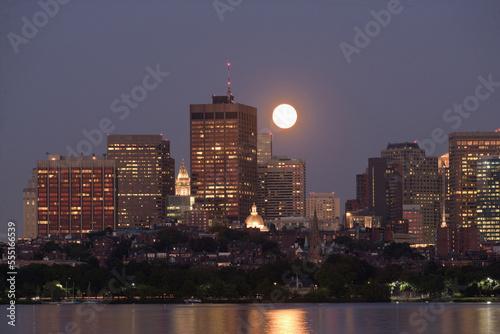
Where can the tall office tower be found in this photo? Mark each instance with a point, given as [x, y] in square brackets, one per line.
[465, 150]
[145, 178]
[183, 182]
[76, 195]
[362, 190]
[488, 198]
[326, 206]
[224, 157]
[264, 154]
[264, 147]
[284, 188]
[444, 173]
[421, 182]
[384, 190]
[30, 208]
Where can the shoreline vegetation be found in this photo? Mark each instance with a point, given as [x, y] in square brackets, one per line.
[339, 279]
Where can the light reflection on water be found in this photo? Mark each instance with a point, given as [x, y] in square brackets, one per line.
[259, 318]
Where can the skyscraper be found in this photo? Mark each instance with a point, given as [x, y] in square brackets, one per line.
[488, 198]
[145, 178]
[465, 150]
[264, 147]
[75, 195]
[224, 157]
[284, 188]
[421, 183]
[30, 207]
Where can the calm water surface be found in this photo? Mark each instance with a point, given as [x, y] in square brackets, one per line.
[414, 318]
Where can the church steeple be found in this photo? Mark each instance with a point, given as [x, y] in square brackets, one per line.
[183, 182]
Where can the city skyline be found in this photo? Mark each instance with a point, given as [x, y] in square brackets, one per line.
[68, 79]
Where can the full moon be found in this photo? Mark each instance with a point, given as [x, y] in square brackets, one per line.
[284, 116]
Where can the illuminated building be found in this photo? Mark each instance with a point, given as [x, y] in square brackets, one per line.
[197, 217]
[444, 172]
[183, 182]
[420, 183]
[454, 239]
[75, 195]
[255, 221]
[413, 215]
[182, 201]
[465, 149]
[327, 206]
[362, 219]
[488, 198]
[145, 178]
[264, 147]
[30, 208]
[224, 157]
[284, 187]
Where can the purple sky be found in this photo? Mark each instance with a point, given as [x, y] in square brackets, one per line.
[65, 77]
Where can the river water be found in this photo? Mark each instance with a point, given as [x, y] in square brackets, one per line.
[403, 318]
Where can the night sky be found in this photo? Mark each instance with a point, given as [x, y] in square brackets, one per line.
[393, 85]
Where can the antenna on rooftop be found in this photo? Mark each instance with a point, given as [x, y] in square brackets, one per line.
[228, 83]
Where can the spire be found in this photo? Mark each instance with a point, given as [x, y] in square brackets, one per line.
[183, 182]
[254, 210]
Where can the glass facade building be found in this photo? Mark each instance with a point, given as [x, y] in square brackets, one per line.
[488, 198]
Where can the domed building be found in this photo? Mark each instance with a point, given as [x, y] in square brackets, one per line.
[255, 221]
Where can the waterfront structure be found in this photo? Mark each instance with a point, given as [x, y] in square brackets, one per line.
[145, 178]
[223, 145]
[76, 195]
[326, 206]
[488, 198]
[30, 208]
[465, 150]
[283, 187]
